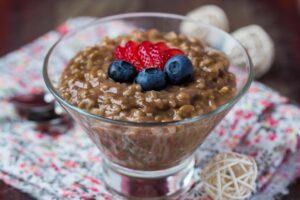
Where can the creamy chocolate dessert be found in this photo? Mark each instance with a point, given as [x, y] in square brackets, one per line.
[86, 82]
[148, 76]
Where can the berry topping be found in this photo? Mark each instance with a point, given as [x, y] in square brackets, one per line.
[161, 46]
[178, 69]
[121, 71]
[156, 53]
[130, 53]
[119, 53]
[169, 53]
[146, 54]
[151, 79]
[156, 63]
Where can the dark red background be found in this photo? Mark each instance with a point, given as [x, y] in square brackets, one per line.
[21, 21]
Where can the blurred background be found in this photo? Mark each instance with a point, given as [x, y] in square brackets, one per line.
[21, 21]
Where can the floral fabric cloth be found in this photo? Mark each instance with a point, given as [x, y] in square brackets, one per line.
[68, 166]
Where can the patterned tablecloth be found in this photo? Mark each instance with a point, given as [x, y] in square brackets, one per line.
[68, 166]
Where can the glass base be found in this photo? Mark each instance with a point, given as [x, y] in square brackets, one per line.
[163, 184]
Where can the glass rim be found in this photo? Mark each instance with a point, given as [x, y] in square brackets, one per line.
[219, 109]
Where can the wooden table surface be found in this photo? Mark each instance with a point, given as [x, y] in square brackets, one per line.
[21, 21]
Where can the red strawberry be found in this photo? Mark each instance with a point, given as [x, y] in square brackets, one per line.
[155, 56]
[161, 46]
[119, 53]
[167, 54]
[131, 54]
[144, 54]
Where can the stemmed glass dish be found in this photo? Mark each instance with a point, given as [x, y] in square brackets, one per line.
[149, 159]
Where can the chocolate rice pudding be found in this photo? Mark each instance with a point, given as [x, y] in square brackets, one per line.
[85, 84]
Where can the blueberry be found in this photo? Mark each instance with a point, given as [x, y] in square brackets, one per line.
[179, 69]
[121, 71]
[151, 79]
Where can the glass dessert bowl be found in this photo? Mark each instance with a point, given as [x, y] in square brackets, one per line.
[144, 159]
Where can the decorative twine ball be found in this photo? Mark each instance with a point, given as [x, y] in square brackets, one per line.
[259, 46]
[229, 176]
[209, 14]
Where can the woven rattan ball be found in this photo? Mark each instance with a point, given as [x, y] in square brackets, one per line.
[229, 176]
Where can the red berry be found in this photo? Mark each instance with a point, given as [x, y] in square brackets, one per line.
[131, 56]
[167, 54]
[119, 53]
[131, 49]
[155, 56]
[161, 46]
[146, 54]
